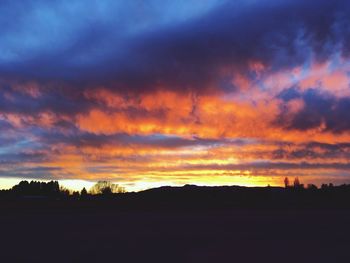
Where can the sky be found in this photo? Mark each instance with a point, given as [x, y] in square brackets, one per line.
[159, 92]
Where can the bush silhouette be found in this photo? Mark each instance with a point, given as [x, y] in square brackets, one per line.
[106, 188]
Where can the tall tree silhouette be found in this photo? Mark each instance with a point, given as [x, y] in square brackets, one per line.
[83, 193]
[286, 182]
[297, 183]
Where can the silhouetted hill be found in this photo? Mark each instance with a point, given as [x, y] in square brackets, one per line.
[206, 197]
[180, 224]
[186, 197]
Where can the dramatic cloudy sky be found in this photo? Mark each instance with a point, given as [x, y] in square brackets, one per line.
[163, 92]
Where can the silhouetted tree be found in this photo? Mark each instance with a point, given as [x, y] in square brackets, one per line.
[312, 187]
[106, 187]
[324, 186]
[106, 191]
[35, 188]
[297, 183]
[64, 191]
[83, 193]
[286, 182]
[76, 195]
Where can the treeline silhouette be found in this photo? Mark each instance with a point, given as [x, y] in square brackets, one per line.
[112, 196]
[52, 189]
[35, 188]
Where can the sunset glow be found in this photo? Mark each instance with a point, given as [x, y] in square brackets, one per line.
[194, 92]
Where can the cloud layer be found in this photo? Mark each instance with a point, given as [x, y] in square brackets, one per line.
[161, 92]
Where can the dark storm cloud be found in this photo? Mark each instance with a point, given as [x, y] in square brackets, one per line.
[80, 139]
[267, 165]
[5, 126]
[193, 53]
[312, 150]
[320, 110]
[278, 35]
[39, 172]
[23, 157]
[54, 99]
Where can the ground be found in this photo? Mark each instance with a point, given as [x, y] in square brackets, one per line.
[175, 236]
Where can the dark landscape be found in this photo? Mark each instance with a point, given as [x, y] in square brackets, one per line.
[175, 131]
[179, 224]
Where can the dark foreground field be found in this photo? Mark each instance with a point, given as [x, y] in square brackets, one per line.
[229, 235]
